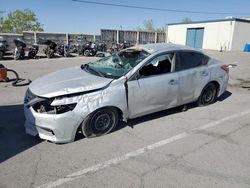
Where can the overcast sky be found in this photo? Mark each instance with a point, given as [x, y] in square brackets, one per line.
[75, 17]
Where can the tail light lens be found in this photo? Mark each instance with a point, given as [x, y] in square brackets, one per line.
[225, 68]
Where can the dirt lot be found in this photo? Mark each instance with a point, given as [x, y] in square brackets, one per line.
[202, 147]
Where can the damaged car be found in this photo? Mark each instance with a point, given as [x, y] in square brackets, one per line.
[140, 80]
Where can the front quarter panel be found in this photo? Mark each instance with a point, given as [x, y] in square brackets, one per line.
[64, 126]
[114, 96]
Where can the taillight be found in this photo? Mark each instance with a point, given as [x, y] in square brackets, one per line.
[225, 68]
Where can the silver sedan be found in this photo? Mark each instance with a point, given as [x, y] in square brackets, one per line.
[92, 98]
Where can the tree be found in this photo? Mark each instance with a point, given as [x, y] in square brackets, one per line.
[148, 25]
[186, 20]
[1, 19]
[19, 21]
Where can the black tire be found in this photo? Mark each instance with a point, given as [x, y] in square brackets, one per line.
[66, 54]
[22, 55]
[100, 122]
[208, 95]
[50, 54]
[86, 53]
[61, 53]
[17, 56]
[31, 55]
[1, 55]
[79, 52]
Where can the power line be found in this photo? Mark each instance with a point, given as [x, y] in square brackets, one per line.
[160, 9]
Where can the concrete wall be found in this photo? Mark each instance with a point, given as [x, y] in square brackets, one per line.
[107, 36]
[9, 37]
[110, 36]
[29, 37]
[241, 36]
[217, 35]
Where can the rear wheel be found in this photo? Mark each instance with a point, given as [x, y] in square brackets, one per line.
[100, 122]
[86, 53]
[50, 54]
[208, 95]
[66, 54]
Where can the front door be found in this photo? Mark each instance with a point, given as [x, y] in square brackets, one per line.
[155, 88]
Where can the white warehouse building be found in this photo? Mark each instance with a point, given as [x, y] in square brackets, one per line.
[228, 34]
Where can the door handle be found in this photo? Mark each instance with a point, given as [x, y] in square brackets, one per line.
[204, 73]
[172, 82]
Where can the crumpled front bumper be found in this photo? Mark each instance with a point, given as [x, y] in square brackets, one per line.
[58, 128]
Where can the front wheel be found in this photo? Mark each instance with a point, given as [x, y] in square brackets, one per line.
[22, 55]
[31, 55]
[17, 56]
[208, 95]
[100, 122]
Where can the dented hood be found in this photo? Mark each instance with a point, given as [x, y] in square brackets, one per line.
[67, 81]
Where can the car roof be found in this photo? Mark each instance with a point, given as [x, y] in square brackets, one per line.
[164, 47]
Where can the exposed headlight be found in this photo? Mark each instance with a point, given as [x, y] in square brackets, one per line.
[49, 105]
[64, 108]
[46, 107]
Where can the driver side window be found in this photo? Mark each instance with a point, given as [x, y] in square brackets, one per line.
[159, 65]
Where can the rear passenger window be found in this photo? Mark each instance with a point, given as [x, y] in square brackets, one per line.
[188, 60]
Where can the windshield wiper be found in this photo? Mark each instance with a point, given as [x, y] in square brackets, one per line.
[89, 69]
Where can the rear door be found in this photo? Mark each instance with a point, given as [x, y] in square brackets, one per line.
[193, 74]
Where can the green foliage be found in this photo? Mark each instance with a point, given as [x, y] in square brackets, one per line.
[1, 20]
[19, 21]
[148, 25]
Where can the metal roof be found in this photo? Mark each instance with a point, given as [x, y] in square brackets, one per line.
[209, 21]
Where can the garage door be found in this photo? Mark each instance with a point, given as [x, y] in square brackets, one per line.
[195, 37]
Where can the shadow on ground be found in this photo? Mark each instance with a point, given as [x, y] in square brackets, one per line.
[13, 139]
[224, 96]
[133, 122]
